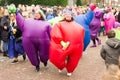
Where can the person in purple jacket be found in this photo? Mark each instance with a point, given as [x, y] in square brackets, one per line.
[36, 37]
[95, 27]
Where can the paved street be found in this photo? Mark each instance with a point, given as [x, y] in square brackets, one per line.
[91, 67]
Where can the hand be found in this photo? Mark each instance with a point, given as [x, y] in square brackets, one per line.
[19, 39]
[64, 44]
[5, 27]
[14, 31]
[16, 11]
[92, 6]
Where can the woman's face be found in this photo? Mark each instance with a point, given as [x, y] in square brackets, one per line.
[6, 13]
[68, 16]
[37, 15]
[12, 17]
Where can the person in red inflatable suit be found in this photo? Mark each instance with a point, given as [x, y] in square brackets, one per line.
[66, 45]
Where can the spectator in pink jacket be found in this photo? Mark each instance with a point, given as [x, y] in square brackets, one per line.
[109, 20]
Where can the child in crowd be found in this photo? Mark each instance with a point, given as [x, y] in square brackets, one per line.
[110, 51]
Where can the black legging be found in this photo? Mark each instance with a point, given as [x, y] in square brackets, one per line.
[94, 42]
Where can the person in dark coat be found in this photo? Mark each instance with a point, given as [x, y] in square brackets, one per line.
[5, 23]
[110, 51]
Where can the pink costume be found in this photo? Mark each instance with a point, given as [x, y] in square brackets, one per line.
[109, 20]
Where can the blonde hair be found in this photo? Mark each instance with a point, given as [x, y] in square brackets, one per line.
[1, 11]
[42, 14]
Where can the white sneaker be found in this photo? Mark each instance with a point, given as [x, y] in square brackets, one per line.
[69, 74]
[60, 71]
[84, 53]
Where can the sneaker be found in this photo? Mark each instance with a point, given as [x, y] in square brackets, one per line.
[24, 57]
[14, 61]
[37, 68]
[5, 54]
[45, 64]
[60, 71]
[69, 74]
[84, 52]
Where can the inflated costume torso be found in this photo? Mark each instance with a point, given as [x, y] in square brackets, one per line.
[66, 31]
[85, 20]
[36, 36]
[95, 24]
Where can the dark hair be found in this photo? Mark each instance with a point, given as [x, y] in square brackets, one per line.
[72, 19]
[41, 18]
[111, 34]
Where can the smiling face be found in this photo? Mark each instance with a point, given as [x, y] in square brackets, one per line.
[68, 17]
[37, 15]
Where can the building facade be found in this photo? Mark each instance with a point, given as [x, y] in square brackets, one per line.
[100, 3]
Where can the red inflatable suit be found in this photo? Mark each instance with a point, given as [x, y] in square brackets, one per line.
[68, 58]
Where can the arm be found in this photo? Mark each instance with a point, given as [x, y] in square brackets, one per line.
[89, 16]
[103, 53]
[49, 28]
[56, 34]
[20, 20]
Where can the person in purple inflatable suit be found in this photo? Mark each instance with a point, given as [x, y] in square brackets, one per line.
[116, 24]
[36, 37]
[85, 21]
[95, 27]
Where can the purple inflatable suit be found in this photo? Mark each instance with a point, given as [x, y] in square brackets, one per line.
[116, 24]
[95, 27]
[36, 37]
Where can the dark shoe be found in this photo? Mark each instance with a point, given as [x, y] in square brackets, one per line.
[45, 64]
[14, 61]
[24, 57]
[5, 54]
[37, 68]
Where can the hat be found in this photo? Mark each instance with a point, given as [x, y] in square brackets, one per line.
[108, 8]
[67, 12]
